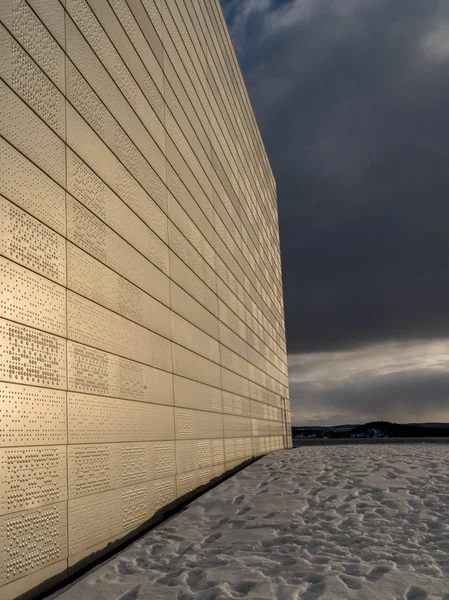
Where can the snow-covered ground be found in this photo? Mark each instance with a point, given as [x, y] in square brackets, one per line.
[323, 522]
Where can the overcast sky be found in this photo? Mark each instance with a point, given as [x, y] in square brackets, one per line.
[352, 98]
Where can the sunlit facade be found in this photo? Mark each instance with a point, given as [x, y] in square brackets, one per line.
[142, 331]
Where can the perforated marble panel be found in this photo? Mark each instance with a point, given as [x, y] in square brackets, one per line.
[93, 519]
[32, 477]
[97, 372]
[260, 427]
[31, 540]
[93, 419]
[198, 454]
[191, 394]
[196, 424]
[146, 169]
[120, 213]
[193, 311]
[22, 128]
[32, 34]
[136, 505]
[31, 299]
[91, 324]
[192, 284]
[190, 365]
[31, 356]
[164, 492]
[191, 256]
[32, 415]
[29, 242]
[193, 338]
[91, 234]
[276, 428]
[186, 482]
[259, 410]
[25, 77]
[238, 448]
[99, 467]
[236, 405]
[99, 157]
[235, 426]
[97, 519]
[30, 188]
[92, 279]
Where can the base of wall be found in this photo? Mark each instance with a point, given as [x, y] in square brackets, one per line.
[50, 582]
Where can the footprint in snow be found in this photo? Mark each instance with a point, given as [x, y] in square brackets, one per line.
[416, 593]
[316, 587]
[131, 594]
[243, 511]
[352, 569]
[377, 573]
[244, 587]
[351, 582]
[213, 537]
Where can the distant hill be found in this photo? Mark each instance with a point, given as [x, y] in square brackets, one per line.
[443, 425]
[375, 429]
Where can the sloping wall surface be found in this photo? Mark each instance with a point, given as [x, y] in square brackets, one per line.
[142, 329]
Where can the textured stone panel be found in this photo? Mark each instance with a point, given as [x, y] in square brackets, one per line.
[91, 324]
[32, 477]
[29, 82]
[31, 356]
[236, 405]
[89, 277]
[189, 336]
[192, 310]
[130, 221]
[235, 426]
[191, 394]
[96, 468]
[190, 365]
[31, 299]
[196, 424]
[31, 540]
[97, 372]
[30, 188]
[192, 283]
[97, 419]
[24, 130]
[32, 34]
[32, 415]
[29, 242]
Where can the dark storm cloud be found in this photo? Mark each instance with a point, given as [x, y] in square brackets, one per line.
[391, 398]
[396, 381]
[352, 97]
